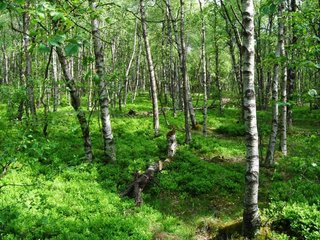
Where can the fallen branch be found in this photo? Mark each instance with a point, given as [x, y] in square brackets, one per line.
[142, 180]
[134, 113]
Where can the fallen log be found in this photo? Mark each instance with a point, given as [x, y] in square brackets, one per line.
[136, 188]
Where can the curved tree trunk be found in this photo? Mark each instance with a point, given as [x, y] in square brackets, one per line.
[75, 102]
[251, 216]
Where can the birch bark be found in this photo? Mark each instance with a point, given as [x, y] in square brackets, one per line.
[275, 83]
[28, 59]
[151, 70]
[75, 102]
[109, 147]
[251, 216]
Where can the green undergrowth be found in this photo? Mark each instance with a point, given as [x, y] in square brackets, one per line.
[51, 192]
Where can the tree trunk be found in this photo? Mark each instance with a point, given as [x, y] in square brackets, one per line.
[90, 89]
[283, 136]
[269, 77]
[172, 73]
[259, 67]
[180, 49]
[55, 82]
[75, 102]
[28, 60]
[142, 180]
[292, 70]
[109, 147]
[5, 66]
[138, 77]
[204, 69]
[44, 97]
[217, 69]
[22, 84]
[126, 84]
[183, 67]
[153, 84]
[275, 83]
[251, 217]
[238, 67]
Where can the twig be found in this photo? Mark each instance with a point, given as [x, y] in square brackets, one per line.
[236, 16]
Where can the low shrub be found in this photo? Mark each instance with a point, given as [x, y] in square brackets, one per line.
[298, 220]
[235, 129]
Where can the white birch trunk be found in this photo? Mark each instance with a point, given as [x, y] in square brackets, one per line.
[180, 48]
[251, 216]
[126, 85]
[283, 136]
[28, 60]
[204, 69]
[55, 82]
[183, 66]
[109, 147]
[151, 70]
[75, 102]
[137, 80]
[275, 83]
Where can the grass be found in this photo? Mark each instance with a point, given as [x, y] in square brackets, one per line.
[50, 192]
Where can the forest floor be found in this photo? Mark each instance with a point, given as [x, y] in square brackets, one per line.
[49, 191]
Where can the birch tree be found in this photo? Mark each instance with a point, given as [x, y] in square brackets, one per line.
[55, 81]
[109, 148]
[275, 83]
[292, 73]
[251, 216]
[180, 48]
[283, 136]
[75, 102]
[184, 76]
[126, 84]
[204, 67]
[153, 84]
[28, 59]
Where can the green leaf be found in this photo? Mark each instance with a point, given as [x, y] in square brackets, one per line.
[41, 15]
[71, 49]
[3, 6]
[268, 9]
[282, 104]
[21, 2]
[43, 48]
[96, 78]
[57, 16]
[56, 40]
[74, 41]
